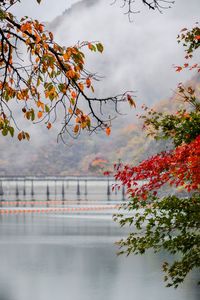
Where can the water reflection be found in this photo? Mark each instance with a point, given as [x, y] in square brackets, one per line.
[67, 257]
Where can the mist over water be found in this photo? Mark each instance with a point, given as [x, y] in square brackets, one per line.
[62, 257]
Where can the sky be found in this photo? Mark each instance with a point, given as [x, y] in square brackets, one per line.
[46, 11]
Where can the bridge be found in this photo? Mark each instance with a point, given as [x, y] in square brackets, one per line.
[45, 194]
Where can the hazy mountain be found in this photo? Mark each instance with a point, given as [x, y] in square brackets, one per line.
[138, 56]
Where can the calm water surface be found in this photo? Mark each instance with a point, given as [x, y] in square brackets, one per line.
[73, 257]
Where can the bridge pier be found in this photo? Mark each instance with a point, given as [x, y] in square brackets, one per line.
[24, 189]
[17, 190]
[32, 189]
[78, 189]
[1, 193]
[115, 190]
[55, 184]
[47, 192]
[108, 188]
[86, 192]
[1, 189]
[63, 192]
[123, 192]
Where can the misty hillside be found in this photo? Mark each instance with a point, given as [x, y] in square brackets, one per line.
[130, 62]
[89, 155]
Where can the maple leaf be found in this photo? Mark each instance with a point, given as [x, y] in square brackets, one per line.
[178, 68]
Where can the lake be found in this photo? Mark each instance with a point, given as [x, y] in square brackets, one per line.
[72, 255]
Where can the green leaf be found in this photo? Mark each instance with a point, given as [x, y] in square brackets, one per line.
[32, 115]
[2, 15]
[11, 130]
[100, 47]
[47, 108]
[5, 131]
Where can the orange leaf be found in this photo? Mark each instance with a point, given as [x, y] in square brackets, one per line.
[76, 129]
[88, 82]
[108, 131]
[20, 136]
[40, 104]
[73, 94]
[49, 125]
[40, 114]
[90, 46]
[70, 111]
[66, 56]
[81, 86]
[70, 74]
[78, 120]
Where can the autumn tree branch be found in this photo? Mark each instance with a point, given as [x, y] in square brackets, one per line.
[42, 75]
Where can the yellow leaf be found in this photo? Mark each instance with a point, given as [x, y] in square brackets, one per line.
[83, 125]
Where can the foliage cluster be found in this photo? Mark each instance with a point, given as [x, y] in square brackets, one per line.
[171, 222]
[42, 76]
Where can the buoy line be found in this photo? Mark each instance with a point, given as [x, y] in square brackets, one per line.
[18, 203]
[56, 209]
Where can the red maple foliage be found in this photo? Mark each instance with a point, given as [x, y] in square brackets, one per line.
[178, 167]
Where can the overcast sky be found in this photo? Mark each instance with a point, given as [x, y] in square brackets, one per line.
[49, 9]
[46, 11]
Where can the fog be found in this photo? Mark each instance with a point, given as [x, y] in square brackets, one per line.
[138, 55]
